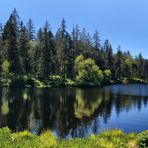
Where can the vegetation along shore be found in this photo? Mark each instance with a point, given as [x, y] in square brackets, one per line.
[114, 138]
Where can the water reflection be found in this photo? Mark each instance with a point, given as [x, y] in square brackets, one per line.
[75, 112]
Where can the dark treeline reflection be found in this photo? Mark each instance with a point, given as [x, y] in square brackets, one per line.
[67, 112]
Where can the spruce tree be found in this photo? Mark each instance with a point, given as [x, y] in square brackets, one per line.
[24, 50]
[64, 50]
[108, 56]
[75, 40]
[140, 66]
[96, 41]
[45, 52]
[118, 64]
[31, 30]
[1, 55]
[11, 42]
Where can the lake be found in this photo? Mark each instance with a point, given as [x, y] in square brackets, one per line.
[75, 112]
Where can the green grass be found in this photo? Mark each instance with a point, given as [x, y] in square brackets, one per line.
[114, 138]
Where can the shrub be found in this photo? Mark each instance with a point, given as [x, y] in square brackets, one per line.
[88, 73]
[142, 139]
[48, 139]
[57, 80]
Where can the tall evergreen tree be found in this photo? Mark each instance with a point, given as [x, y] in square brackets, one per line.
[75, 40]
[108, 57]
[1, 57]
[64, 50]
[98, 51]
[140, 66]
[118, 64]
[45, 52]
[96, 41]
[24, 45]
[31, 30]
[11, 42]
[146, 70]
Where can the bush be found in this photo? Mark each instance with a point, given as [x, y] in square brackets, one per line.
[48, 139]
[142, 139]
[57, 81]
[25, 139]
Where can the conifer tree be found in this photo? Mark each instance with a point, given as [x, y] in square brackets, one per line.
[45, 52]
[24, 45]
[31, 30]
[1, 55]
[118, 64]
[64, 50]
[11, 42]
[108, 56]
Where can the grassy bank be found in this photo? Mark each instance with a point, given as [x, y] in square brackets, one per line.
[107, 139]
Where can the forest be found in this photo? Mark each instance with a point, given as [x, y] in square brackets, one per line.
[42, 58]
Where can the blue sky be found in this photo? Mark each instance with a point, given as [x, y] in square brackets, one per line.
[123, 22]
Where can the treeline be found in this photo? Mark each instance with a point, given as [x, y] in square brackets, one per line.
[63, 58]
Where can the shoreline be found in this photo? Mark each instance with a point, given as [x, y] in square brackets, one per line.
[75, 86]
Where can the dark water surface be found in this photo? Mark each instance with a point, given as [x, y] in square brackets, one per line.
[74, 112]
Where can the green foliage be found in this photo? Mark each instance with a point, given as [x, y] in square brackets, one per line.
[114, 138]
[107, 76]
[107, 139]
[57, 81]
[5, 76]
[36, 83]
[26, 81]
[142, 139]
[88, 73]
[25, 139]
[48, 139]
[5, 138]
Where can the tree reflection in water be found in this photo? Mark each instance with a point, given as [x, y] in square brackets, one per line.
[69, 112]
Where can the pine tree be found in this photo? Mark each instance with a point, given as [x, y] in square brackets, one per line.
[98, 51]
[10, 40]
[140, 66]
[108, 57]
[96, 41]
[24, 50]
[146, 70]
[31, 30]
[64, 50]
[45, 52]
[48, 51]
[1, 55]
[38, 55]
[118, 64]
[75, 40]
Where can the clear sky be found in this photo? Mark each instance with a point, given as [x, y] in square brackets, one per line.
[123, 22]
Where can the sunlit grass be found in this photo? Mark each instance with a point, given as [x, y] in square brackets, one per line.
[114, 138]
